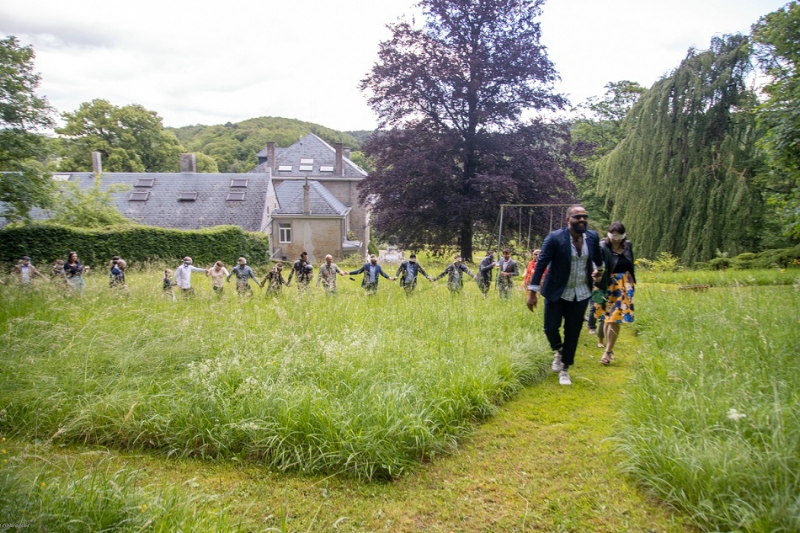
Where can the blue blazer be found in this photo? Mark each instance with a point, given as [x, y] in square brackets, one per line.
[365, 270]
[556, 256]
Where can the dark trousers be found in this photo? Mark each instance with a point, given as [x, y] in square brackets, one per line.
[571, 314]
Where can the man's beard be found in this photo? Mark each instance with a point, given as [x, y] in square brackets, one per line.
[577, 227]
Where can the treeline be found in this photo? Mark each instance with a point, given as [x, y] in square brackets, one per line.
[700, 165]
[233, 146]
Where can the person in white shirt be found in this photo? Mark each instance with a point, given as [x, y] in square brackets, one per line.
[26, 270]
[218, 274]
[183, 276]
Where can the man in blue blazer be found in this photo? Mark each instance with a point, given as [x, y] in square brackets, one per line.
[572, 257]
[371, 272]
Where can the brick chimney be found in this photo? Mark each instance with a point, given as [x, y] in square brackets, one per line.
[338, 168]
[306, 198]
[271, 156]
[188, 163]
[97, 162]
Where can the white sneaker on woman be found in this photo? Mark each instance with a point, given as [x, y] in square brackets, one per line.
[563, 378]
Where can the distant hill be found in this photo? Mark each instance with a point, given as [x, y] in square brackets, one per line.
[361, 135]
[234, 146]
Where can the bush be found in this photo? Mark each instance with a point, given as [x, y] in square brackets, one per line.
[777, 258]
[47, 242]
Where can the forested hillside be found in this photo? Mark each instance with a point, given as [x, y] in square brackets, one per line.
[234, 146]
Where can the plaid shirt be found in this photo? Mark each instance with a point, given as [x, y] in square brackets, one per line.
[577, 288]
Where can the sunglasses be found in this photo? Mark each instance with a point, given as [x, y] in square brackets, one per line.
[580, 217]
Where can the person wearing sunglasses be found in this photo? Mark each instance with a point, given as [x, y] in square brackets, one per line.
[572, 258]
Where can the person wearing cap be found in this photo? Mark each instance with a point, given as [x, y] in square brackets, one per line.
[407, 274]
[183, 276]
[243, 274]
[485, 272]
[274, 279]
[455, 275]
[218, 273]
[508, 269]
[371, 270]
[26, 271]
[327, 275]
[299, 270]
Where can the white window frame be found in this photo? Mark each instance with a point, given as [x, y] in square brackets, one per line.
[284, 233]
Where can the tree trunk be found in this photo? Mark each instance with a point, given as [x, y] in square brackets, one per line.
[466, 239]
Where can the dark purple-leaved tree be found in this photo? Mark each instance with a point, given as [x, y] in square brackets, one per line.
[453, 146]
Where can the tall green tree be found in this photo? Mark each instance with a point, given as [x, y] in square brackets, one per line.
[130, 139]
[455, 90]
[88, 208]
[777, 45]
[598, 129]
[24, 183]
[682, 179]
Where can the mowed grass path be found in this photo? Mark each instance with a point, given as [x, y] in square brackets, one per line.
[543, 463]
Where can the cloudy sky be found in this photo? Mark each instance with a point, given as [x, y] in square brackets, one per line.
[213, 62]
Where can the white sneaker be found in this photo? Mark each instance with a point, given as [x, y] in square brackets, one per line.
[563, 378]
[557, 365]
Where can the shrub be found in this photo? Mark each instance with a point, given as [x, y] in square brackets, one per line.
[46, 242]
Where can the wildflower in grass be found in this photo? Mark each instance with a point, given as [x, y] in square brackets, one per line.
[143, 507]
[735, 415]
[43, 484]
[4, 450]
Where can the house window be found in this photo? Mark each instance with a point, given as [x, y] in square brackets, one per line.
[187, 197]
[139, 196]
[306, 161]
[144, 182]
[239, 182]
[61, 177]
[235, 197]
[306, 168]
[326, 168]
[284, 168]
[284, 233]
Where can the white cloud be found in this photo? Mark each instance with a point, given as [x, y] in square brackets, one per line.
[213, 62]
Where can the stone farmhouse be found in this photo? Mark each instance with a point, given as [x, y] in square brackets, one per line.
[304, 196]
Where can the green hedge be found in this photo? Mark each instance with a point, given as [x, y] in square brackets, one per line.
[45, 242]
[780, 257]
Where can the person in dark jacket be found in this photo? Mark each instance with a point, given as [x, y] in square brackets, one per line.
[619, 282]
[302, 273]
[508, 268]
[407, 274]
[371, 272]
[485, 272]
[571, 256]
[455, 275]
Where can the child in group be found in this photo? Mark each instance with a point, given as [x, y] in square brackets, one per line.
[116, 279]
[167, 285]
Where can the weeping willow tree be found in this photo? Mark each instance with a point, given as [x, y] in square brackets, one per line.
[682, 178]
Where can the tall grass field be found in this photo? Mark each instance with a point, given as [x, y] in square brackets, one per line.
[362, 385]
[712, 418]
[369, 387]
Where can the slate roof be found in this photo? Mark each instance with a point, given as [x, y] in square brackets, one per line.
[309, 147]
[321, 200]
[163, 209]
